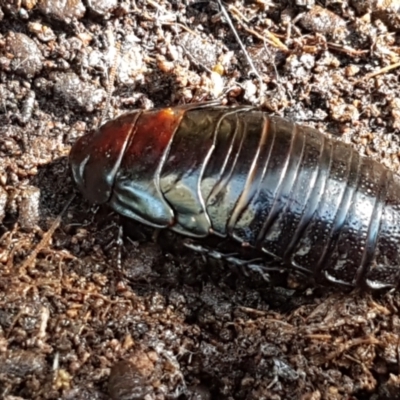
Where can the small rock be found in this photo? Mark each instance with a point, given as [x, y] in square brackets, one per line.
[29, 209]
[3, 202]
[102, 7]
[21, 363]
[27, 58]
[62, 10]
[127, 382]
[131, 65]
[321, 20]
[70, 88]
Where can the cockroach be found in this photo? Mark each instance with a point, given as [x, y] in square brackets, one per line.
[284, 190]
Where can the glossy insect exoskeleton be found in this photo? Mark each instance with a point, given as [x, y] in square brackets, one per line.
[289, 191]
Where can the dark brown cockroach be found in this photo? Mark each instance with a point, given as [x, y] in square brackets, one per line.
[286, 190]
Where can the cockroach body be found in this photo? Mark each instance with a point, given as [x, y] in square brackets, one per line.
[288, 191]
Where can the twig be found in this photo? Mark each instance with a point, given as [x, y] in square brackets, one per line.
[271, 38]
[381, 71]
[347, 49]
[246, 54]
[371, 340]
[46, 238]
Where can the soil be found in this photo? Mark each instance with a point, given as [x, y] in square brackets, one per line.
[88, 313]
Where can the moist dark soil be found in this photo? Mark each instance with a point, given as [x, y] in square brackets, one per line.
[88, 313]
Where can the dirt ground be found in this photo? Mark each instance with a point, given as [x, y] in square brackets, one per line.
[82, 317]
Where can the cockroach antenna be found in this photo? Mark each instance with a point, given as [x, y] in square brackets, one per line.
[246, 54]
[111, 79]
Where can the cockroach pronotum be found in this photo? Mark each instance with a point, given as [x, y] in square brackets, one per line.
[285, 190]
